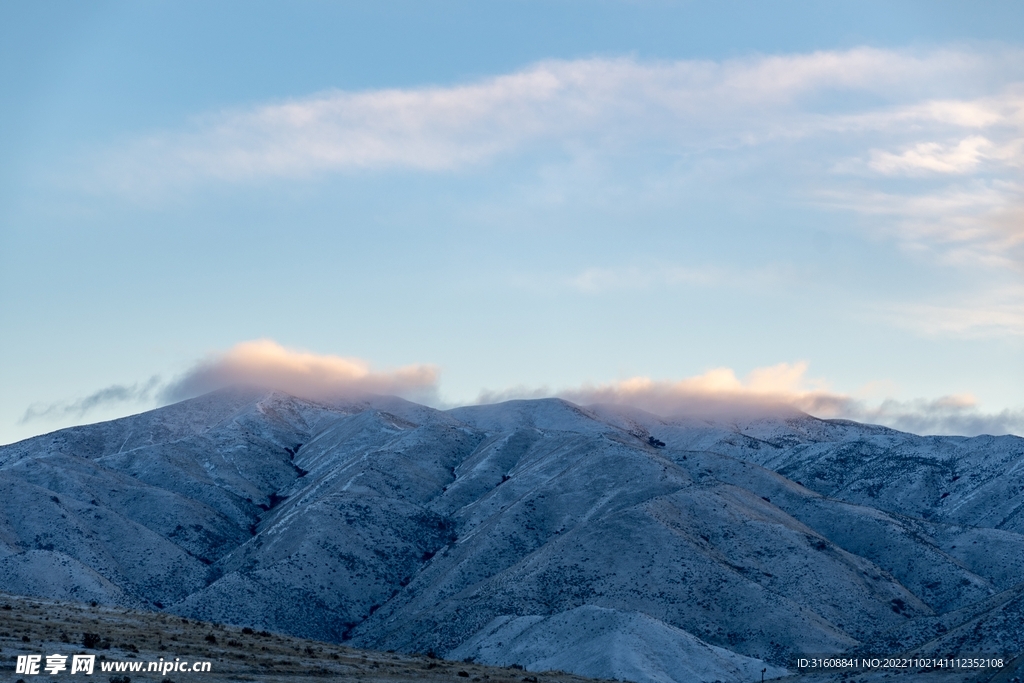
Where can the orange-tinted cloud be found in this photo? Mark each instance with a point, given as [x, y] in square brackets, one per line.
[776, 390]
[783, 390]
[266, 363]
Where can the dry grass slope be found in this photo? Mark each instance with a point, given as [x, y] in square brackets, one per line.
[36, 626]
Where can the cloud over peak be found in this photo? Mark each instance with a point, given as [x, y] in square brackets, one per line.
[266, 363]
[781, 389]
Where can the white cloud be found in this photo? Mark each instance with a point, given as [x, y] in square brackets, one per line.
[997, 312]
[977, 222]
[964, 157]
[926, 145]
[967, 205]
[1001, 111]
[683, 103]
[939, 113]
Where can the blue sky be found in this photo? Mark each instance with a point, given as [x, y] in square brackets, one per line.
[671, 204]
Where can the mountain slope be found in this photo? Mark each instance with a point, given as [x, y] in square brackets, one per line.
[532, 532]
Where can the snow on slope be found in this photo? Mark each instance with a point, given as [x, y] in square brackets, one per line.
[535, 532]
[595, 641]
[57, 576]
[958, 480]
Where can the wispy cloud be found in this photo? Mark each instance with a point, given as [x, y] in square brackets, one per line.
[114, 395]
[265, 363]
[999, 312]
[603, 101]
[949, 123]
[962, 198]
[963, 157]
[945, 415]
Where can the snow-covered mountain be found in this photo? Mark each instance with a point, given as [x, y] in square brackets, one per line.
[603, 541]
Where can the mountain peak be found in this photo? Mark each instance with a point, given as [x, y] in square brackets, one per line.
[534, 532]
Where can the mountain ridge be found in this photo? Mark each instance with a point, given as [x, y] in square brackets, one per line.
[392, 525]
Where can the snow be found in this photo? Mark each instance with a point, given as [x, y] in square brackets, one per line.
[532, 532]
[600, 642]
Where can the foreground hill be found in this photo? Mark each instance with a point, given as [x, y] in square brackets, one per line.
[601, 541]
[127, 637]
[122, 638]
